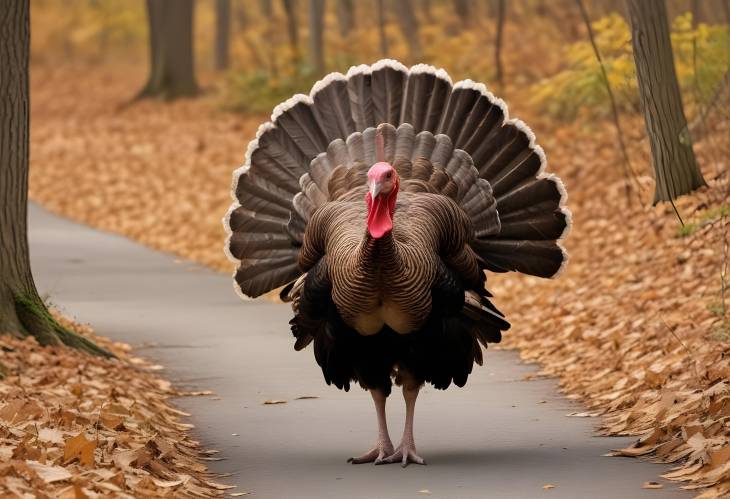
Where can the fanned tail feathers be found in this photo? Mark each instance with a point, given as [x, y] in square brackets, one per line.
[456, 139]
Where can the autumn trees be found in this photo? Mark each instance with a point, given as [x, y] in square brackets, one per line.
[22, 311]
[675, 165]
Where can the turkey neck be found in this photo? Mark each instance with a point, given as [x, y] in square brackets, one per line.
[378, 256]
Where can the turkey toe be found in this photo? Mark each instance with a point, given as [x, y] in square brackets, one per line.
[377, 454]
[405, 454]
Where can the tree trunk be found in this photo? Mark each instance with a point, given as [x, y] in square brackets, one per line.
[222, 33]
[501, 7]
[316, 35]
[463, 10]
[240, 13]
[172, 72]
[426, 7]
[345, 16]
[22, 311]
[381, 29]
[409, 27]
[292, 28]
[675, 165]
[267, 11]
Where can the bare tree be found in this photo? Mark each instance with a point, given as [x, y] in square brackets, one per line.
[409, 27]
[463, 10]
[675, 165]
[292, 28]
[240, 13]
[628, 169]
[426, 7]
[22, 311]
[501, 7]
[172, 65]
[316, 34]
[222, 33]
[381, 28]
[345, 16]
[267, 11]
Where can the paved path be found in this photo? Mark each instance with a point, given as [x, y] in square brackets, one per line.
[494, 438]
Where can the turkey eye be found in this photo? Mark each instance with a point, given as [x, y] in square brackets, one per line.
[390, 174]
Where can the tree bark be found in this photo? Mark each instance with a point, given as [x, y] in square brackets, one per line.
[426, 8]
[409, 27]
[675, 164]
[172, 63]
[222, 34]
[22, 311]
[267, 11]
[316, 35]
[240, 13]
[463, 10]
[292, 28]
[501, 7]
[14, 261]
[381, 29]
[345, 17]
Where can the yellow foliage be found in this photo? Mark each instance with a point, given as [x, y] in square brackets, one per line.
[580, 88]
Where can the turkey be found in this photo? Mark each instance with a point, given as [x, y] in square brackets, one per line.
[377, 203]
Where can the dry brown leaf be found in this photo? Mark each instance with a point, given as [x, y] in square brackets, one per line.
[51, 435]
[274, 402]
[48, 473]
[548, 486]
[652, 485]
[79, 447]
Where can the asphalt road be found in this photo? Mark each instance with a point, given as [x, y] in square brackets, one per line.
[499, 437]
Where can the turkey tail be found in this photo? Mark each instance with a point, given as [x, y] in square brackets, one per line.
[316, 145]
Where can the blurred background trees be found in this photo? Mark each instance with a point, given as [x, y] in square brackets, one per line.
[537, 51]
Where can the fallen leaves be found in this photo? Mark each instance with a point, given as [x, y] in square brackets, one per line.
[76, 426]
[274, 402]
[628, 326]
[49, 474]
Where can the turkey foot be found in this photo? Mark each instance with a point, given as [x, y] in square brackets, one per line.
[383, 446]
[382, 449]
[405, 453]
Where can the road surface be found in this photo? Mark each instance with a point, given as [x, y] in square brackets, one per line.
[499, 437]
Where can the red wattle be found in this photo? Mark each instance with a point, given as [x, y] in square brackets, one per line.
[379, 219]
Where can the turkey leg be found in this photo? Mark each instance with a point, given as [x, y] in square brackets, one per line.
[406, 451]
[383, 446]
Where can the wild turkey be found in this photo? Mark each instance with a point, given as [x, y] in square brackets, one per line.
[378, 201]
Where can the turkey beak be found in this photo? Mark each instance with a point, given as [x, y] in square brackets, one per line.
[375, 189]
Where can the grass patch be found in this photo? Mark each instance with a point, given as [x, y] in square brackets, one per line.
[258, 92]
[720, 334]
[706, 218]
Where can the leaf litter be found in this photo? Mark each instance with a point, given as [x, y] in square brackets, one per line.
[76, 426]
